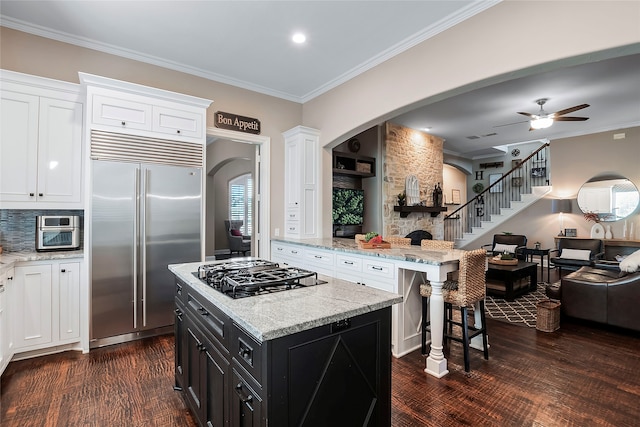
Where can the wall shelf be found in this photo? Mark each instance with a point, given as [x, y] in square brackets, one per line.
[354, 165]
[406, 210]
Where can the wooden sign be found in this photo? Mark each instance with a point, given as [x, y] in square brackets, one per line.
[235, 122]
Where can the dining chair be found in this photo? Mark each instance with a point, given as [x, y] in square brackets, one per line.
[465, 292]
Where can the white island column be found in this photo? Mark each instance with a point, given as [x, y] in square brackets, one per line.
[436, 362]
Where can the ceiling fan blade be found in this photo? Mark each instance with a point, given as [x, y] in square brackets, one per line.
[570, 119]
[571, 110]
[526, 114]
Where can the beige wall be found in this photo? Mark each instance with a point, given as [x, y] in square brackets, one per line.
[494, 44]
[487, 48]
[39, 56]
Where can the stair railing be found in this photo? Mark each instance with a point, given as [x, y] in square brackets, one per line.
[531, 172]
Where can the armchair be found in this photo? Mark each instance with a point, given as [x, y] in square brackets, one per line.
[513, 243]
[237, 242]
[573, 253]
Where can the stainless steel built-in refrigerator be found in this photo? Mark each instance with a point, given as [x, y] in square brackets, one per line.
[144, 217]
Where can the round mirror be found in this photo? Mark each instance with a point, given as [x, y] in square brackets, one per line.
[611, 198]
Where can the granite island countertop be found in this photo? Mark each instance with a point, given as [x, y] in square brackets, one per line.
[409, 253]
[8, 260]
[272, 316]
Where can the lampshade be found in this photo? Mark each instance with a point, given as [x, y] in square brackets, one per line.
[541, 123]
[561, 206]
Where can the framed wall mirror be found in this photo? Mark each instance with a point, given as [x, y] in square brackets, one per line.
[612, 198]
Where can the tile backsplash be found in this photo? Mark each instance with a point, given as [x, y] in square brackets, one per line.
[18, 227]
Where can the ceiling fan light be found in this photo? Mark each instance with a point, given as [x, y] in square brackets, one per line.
[541, 123]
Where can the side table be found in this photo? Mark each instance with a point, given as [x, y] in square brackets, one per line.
[529, 253]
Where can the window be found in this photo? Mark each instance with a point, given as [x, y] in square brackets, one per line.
[241, 202]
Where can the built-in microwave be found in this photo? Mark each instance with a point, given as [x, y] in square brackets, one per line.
[57, 233]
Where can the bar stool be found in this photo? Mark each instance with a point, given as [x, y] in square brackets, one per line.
[435, 244]
[469, 289]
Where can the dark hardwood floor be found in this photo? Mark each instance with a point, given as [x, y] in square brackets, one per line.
[580, 375]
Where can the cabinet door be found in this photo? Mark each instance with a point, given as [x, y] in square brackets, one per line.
[180, 333]
[121, 113]
[32, 317]
[60, 151]
[292, 169]
[69, 301]
[3, 323]
[178, 123]
[206, 379]
[18, 147]
[246, 405]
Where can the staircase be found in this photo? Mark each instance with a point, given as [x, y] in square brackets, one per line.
[519, 188]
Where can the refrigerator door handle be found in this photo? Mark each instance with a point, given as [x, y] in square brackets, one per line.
[136, 226]
[143, 245]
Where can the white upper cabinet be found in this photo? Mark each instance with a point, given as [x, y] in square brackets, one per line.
[301, 186]
[40, 144]
[133, 109]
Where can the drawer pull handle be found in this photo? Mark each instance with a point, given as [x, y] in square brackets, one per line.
[40, 194]
[32, 194]
[123, 123]
[178, 131]
[373, 267]
[348, 262]
[280, 249]
[317, 257]
[243, 398]
[294, 252]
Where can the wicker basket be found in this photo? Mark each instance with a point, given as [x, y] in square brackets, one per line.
[548, 318]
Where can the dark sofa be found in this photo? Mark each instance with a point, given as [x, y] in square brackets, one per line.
[594, 246]
[599, 295]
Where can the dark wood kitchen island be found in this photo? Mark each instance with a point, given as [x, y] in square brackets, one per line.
[313, 356]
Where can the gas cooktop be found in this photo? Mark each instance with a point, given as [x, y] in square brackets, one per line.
[240, 279]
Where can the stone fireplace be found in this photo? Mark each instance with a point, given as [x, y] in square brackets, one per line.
[410, 152]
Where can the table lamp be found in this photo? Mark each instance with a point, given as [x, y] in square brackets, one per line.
[561, 206]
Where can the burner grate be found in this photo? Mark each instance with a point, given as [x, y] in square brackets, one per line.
[256, 277]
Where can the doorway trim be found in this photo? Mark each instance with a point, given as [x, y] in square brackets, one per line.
[263, 162]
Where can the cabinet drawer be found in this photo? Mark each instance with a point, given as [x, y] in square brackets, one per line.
[384, 285]
[214, 321]
[292, 227]
[378, 270]
[293, 215]
[348, 264]
[248, 352]
[178, 122]
[320, 259]
[121, 113]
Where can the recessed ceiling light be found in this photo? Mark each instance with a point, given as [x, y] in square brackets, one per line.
[299, 38]
[428, 128]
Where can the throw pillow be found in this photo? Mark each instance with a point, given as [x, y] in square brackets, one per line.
[501, 247]
[235, 232]
[580, 254]
[631, 263]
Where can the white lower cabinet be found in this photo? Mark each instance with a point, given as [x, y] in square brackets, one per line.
[6, 336]
[47, 301]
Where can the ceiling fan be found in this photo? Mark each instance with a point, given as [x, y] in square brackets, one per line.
[543, 120]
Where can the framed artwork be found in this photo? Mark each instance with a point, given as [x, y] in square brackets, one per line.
[479, 175]
[455, 197]
[571, 232]
[516, 181]
[493, 178]
[538, 172]
[515, 163]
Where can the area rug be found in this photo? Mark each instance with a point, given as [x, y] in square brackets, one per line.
[521, 311]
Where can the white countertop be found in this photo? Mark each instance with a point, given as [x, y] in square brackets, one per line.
[410, 253]
[271, 316]
[10, 259]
